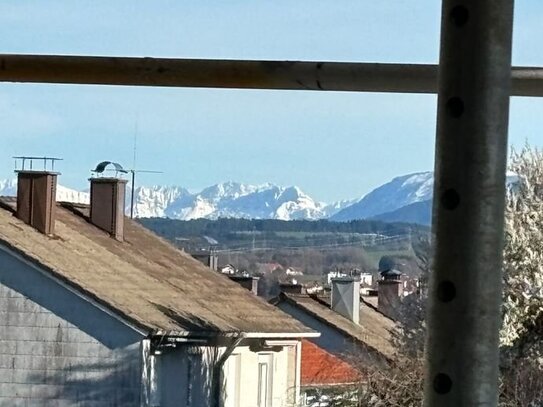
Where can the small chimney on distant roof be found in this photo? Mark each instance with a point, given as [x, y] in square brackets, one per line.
[248, 282]
[389, 292]
[107, 200]
[36, 193]
[208, 258]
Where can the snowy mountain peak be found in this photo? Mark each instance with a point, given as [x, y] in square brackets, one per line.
[401, 191]
[227, 199]
[8, 187]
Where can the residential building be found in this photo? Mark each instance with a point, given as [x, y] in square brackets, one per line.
[293, 271]
[96, 310]
[228, 269]
[366, 279]
[351, 328]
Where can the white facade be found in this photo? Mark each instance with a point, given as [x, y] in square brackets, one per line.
[250, 377]
[291, 271]
[366, 279]
[261, 379]
[335, 274]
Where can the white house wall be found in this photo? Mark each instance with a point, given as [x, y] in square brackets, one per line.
[184, 377]
[284, 379]
[57, 349]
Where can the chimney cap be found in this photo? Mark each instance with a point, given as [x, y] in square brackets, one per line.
[391, 274]
[47, 162]
[37, 172]
[107, 180]
[101, 167]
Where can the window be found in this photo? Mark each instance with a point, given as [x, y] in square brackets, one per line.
[231, 380]
[265, 379]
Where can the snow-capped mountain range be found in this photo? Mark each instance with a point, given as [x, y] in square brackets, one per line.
[405, 198]
[226, 200]
[230, 200]
[399, 193]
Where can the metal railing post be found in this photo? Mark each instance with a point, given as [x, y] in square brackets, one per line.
[469, 193]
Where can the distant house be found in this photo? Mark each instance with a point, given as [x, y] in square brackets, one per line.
[351, 328]
[292, 271]
[98, 311]
[228, 269]
[335, 274]
[366, 279]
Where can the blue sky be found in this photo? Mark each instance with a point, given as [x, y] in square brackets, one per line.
[333, 145]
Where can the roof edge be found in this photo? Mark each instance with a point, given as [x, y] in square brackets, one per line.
[276, 335]
[248, 335]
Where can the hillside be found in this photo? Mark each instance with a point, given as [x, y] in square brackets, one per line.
[313, 246]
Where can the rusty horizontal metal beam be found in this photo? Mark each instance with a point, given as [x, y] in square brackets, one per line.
[209, 73]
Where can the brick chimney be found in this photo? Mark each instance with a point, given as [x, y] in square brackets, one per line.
[346, 297]
[36, 199]
[107, 200]
[389, 292]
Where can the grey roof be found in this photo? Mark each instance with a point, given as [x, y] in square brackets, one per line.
[145, 280]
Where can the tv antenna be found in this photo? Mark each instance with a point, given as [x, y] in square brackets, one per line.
[132, 173]
[133, 189]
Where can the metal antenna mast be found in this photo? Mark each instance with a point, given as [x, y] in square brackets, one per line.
[133, 171]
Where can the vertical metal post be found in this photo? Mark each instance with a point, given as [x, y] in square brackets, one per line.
[471, 149]
[132, 194]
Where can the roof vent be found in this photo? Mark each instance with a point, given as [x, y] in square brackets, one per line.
[346, 297]
[36, 192]
[107, 199]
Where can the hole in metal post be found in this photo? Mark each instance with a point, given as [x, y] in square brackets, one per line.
[450, 199]
[442, 383]
[459, 16]
[455, 107]
[446, 291]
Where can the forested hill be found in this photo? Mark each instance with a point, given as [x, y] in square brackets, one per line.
[228, 231]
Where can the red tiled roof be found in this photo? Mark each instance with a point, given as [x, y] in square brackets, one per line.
[320, 368]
